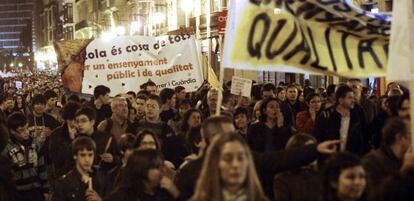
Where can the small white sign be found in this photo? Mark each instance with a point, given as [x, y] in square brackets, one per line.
[241, 86]
[19, 85]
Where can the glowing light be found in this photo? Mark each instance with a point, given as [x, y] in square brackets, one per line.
[158, 18]
[187, 5]
[120, 30]
[135, 27]
[108, 35]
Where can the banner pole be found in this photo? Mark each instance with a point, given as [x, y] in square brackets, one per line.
[221, 79]
[411, 89]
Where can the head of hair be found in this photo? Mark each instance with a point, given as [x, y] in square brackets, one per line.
[342, 91]
[50, 94]
[186, 117]
[392, 127]
[132, 93]
[242, 110]
[183, 102]
[398, 187]
[38, 99]
[142, 96]
[227, 96]
[299, 140]
[135, 173]
[292, 86]
[115, 101]
[392, 103]
[16, 120]
[280, 89]
[256, 92]
[263, 116]
[127, 141]
[155, 98]
[88, 112]
[269, 87]
[83, 143]
[402, 99]
[101, 90]
[178, 89]
[311, 96]
[209, 185]
[147, 84]
[193, 136]
[212, 92]
[213, 126]
[144, 133]
[166, 94]
[69, 110]
[330, 89]
[333, 168]
[74, 98]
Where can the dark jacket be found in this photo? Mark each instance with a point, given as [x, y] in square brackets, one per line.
[131, 195]
[375, 129]
[267, 165]
[28, 166]
[172, 146]
[7, 186]
[101, 140]
[102, 113]
[328, 124]
[60, 146]
[256, 136]
[46, 120]
[380, 164]
[70, 186]
[369, 109]
[297, 185]
[295, 109]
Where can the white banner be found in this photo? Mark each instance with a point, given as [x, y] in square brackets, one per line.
[401, 59]
[125, 63]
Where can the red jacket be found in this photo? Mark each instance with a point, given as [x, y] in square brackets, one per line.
[304, 122]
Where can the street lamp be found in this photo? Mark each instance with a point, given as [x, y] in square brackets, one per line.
[20, 65]
[187, 6]
[11, 64]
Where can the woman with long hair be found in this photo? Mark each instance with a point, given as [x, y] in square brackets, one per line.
[20, 105]
[143, 179]
[191, 119]
[343, 178]
[228, 173]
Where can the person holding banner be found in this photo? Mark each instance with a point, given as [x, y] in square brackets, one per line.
[83, 182]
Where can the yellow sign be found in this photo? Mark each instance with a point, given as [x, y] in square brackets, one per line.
[276, 40]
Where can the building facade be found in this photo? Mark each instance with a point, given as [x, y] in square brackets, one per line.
[17, 34]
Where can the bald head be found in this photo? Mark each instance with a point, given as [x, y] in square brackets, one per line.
[216, 125]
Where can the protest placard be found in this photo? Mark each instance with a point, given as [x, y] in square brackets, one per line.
[125, 63]
[326, 37]
[241, 86]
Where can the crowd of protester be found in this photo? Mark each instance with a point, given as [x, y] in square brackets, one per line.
[284, 143]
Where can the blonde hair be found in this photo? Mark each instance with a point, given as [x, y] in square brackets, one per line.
[209, 186]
